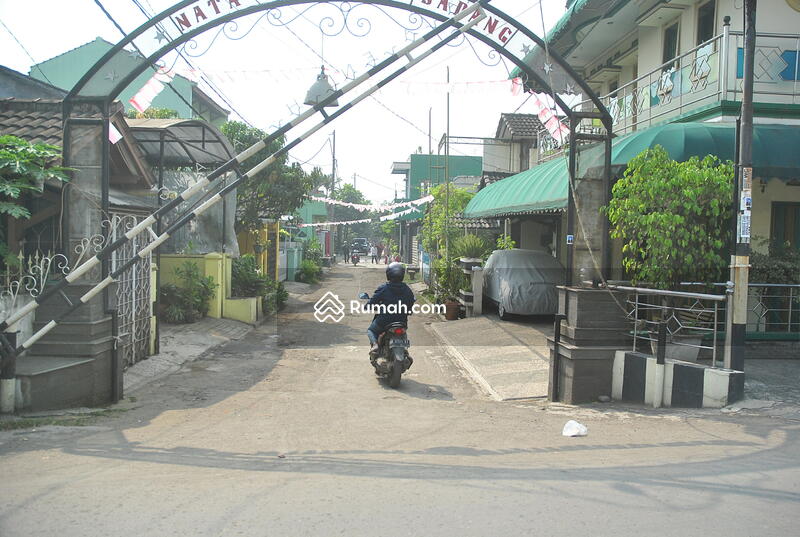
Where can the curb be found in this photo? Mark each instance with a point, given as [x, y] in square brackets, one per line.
[465, 364]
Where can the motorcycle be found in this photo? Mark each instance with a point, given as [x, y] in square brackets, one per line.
[354, 259]
[392, 359]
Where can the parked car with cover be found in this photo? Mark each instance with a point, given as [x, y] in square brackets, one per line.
[523, 282]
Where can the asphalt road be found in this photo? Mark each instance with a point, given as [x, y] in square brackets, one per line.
[288, 432]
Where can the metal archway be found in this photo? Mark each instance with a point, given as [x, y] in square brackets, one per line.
[99, 86]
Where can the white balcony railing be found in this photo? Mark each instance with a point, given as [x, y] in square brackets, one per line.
[707, 74]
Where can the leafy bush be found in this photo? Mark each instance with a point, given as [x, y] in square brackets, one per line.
[275, 298]
[781, 264]
[312, 250]
[471, 246]
[504, 242]
[188, 302]
[673, 218]
[308, 272]
[246, 279]
[449, 279]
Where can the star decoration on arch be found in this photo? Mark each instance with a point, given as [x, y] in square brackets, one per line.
[548, 67]
[111, 76]
[526, 49]
[570, 89]
[161, 36]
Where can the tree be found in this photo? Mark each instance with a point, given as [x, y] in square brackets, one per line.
[24, 167]
[278, 190]
[673, 218]
[435, 230]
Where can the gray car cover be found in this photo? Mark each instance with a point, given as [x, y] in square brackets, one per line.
[523, 281]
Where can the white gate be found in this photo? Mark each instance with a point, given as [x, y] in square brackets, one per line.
[133, 302]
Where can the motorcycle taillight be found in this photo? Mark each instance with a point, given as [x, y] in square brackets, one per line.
[399, 331]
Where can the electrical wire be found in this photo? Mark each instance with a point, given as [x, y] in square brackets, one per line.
[204, 78]
[327, 142]
[34, 62]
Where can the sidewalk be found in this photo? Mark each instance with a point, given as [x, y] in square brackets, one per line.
[181, 343]
[510, 360]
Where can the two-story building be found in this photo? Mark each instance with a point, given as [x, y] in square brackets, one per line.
[671, 73]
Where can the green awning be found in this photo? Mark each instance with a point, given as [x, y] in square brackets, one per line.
[543, 188]
[776, 148]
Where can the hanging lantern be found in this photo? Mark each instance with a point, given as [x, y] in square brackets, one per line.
[320, 91]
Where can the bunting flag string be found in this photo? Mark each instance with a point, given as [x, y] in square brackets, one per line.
[349, 222]
[395, 216]
[375, 208]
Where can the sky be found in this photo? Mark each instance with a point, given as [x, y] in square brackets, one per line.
[263, 68]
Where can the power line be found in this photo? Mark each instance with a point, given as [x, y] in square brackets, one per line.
[34, 62]
[205, 79]
[169, 85]
[325, 143]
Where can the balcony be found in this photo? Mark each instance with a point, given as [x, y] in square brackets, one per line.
[708, 74]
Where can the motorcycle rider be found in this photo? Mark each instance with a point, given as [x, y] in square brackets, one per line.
[393, 292]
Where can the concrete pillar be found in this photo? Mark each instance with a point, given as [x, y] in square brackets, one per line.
[214, 266]
[477, 290]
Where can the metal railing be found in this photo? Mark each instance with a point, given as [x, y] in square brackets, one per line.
[707, 73]
[773, 308]
[687, 322]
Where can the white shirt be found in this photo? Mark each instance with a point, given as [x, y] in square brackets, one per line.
[373, 250]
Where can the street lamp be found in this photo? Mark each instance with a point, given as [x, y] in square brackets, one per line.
[320, 90]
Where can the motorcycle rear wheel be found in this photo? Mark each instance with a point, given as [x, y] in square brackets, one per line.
[397, 368]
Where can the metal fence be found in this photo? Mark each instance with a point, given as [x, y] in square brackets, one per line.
[691, 324]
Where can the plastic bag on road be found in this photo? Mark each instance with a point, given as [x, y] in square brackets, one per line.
[573, 428]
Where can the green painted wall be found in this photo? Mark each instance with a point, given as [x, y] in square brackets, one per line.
[66, 69]
[310, 212]
[431, 169]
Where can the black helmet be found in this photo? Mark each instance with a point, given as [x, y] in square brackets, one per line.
[395, 272]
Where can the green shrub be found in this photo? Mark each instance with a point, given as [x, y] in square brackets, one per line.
[275, 298]
[188, 302]
[504, 242]
[781, 264]
[673, 218]
[449, 279]
[308, 272]
[246, 279]
[312, 250]
[470, 246]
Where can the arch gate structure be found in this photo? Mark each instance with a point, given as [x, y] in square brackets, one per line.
[430, 26]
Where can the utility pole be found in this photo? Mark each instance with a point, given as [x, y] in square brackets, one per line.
[447, 179]
[740, 260]
[331, 232]
[354, 180]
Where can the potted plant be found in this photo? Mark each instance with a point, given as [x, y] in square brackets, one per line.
[470, 250]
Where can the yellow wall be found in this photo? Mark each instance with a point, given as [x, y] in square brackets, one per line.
[268, 259]
[218, 266]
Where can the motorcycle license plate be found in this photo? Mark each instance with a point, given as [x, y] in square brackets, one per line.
[400, 343]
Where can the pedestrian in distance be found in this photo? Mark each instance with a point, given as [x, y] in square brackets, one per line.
[380, 250]
[373, 252]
